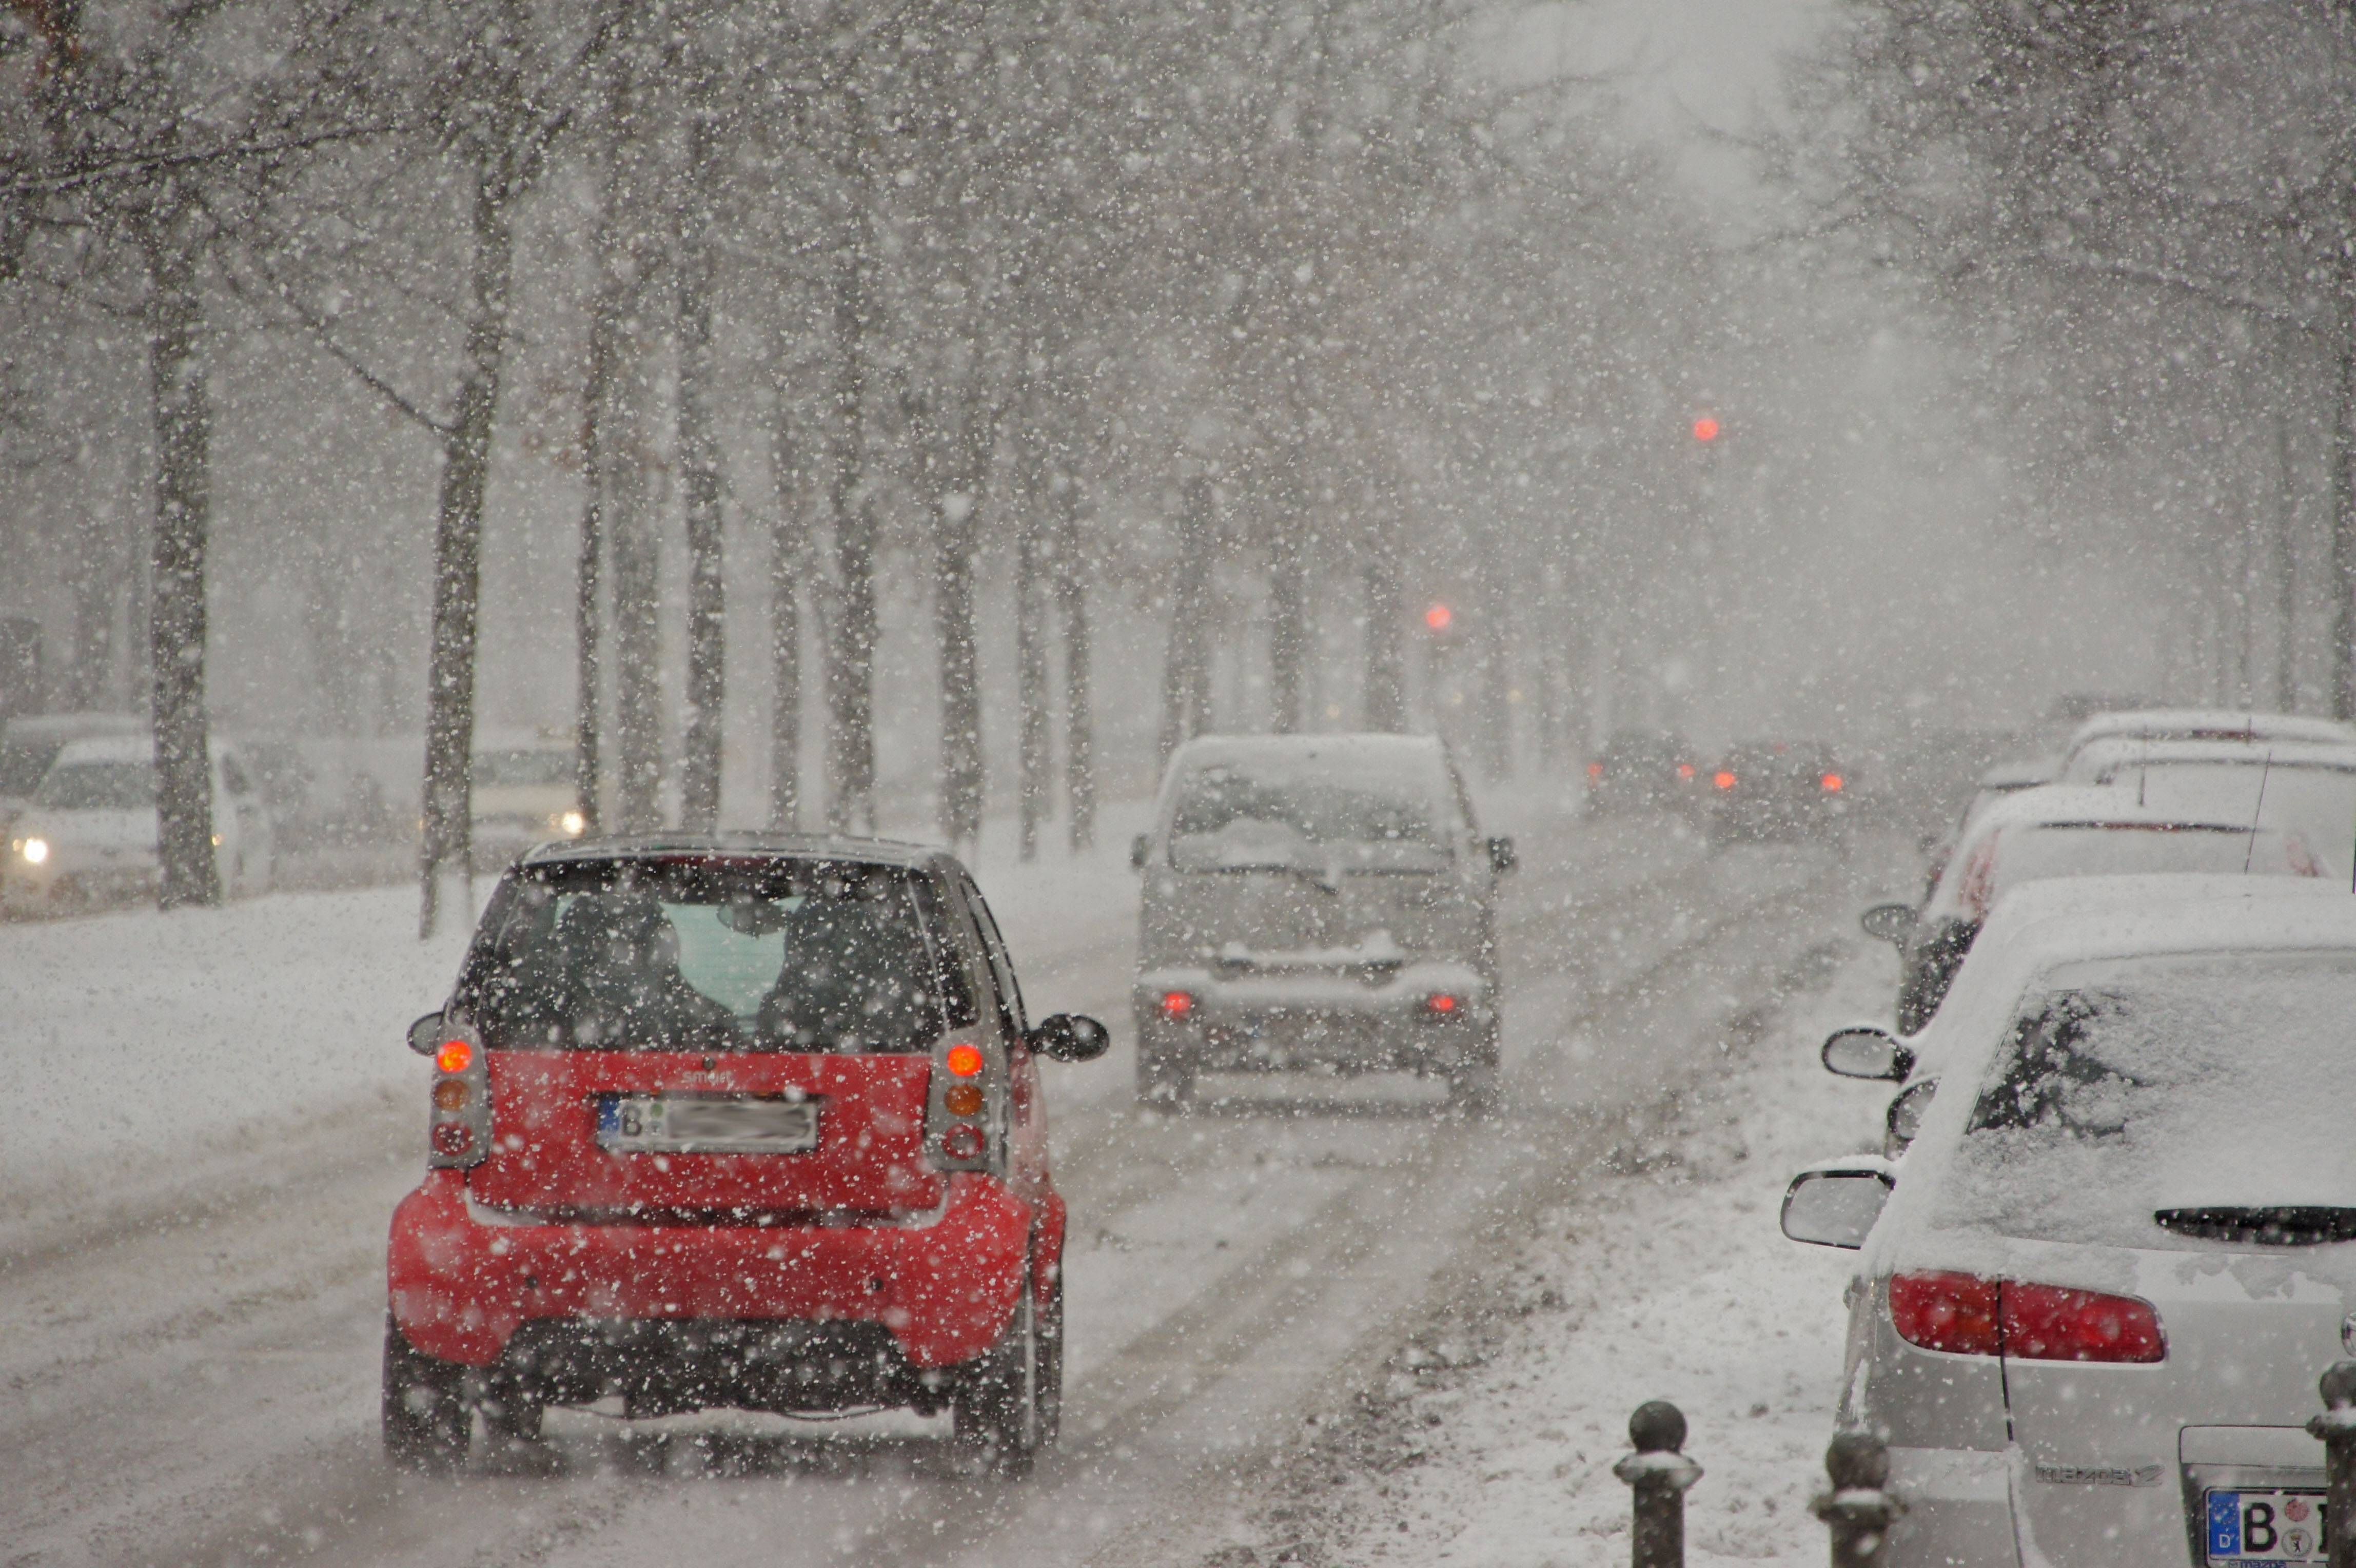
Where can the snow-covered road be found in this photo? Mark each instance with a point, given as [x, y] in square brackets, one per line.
[189, 1375]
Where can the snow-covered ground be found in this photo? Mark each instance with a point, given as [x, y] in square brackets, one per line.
[1492, 1438]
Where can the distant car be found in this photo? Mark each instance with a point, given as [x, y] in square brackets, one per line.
[1642, 770]
[27, 746]
[1765, 790]
[524, 795]
[732, 1121]
[2060, 831]
[91, 831]
[1322, 901]
[2094, 1296]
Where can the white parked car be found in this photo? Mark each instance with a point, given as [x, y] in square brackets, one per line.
[90, 831]
[2240, 724]
[2095, 1294]
[523, 796]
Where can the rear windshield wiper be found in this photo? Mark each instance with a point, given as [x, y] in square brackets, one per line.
[2292, 1225]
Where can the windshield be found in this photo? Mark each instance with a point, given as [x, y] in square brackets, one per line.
[796, 956]
[2133, 1086]
[23, 762]
[98, 787]
[1234, 816]
[493, 769]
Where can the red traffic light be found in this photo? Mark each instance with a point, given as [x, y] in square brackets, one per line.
[1704, 429]
[1439, 618]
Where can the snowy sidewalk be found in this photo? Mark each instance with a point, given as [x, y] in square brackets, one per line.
[1671, 1283]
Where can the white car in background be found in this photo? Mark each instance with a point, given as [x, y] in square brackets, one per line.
[91, 833]
[2094, 1296]
[2238, 725]
[523, 796]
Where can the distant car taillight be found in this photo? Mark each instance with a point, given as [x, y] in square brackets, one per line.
[1723, 779]
[1968, 1314]
[1686, 771]
[1177, 1005]
[1834, 783]
[1440, 1005]
[459, 1134]
[1595, 771]
[965, 1111]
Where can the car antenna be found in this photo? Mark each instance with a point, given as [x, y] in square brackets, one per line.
[2263, 774]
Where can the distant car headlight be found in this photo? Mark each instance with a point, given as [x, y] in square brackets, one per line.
[572, 825]
[35, 851]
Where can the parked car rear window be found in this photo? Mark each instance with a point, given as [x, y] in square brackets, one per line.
[1233, 815]
[707, 955]
[2132, 1086]
[98, 787]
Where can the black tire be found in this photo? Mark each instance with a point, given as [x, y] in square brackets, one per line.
[426, 1424]
[1007, 1404]
[512, 1415]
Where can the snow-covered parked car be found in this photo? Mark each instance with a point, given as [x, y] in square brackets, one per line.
[2093, 1298]
[90, 831]
[1322, 901]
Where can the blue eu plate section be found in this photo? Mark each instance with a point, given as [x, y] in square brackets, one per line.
[2267, 1528]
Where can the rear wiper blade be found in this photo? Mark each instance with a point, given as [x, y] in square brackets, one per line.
[2288, 1225]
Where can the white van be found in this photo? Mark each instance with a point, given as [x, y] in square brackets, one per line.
[91, 833]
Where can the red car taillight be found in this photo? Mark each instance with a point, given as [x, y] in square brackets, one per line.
[1834, 783]
[1595, 771]
[1440, 1005]
[1686, 771]
[1723, 779]
[1177, 1005]
[1967, 1315]
[459, 1133]
[965, 1110]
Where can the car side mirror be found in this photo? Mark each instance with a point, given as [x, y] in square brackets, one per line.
[1071, 1037]
[1903, 1120]
[1503, 856]
[1887, 922]
[425, 1034]
[1141, 848]
[1863, 1051]
[1837, 1204]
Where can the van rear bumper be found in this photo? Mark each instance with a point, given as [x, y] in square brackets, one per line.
[461, 1287]
[1274, 1022]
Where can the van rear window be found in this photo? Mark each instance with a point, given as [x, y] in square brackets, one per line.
[707, 955]
[1232, 814]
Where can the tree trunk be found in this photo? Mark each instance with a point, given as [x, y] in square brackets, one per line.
[1079, 719]
[1385, 678]
[605, 348]
[789, 560]
[457, 556]
[1186, 661]
[2285, 569]
[2343, 499]
[699, 462]
[851, 650]
[1287, 637]
[955, 519]
[183, 419]
[1033, 801]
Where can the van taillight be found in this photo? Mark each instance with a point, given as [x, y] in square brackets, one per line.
[1967, 1315]
[459, 1133]
[1177, 1005]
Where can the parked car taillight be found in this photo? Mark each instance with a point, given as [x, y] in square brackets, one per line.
[1177, 1005]
[1967, 1315]
[1834, 783]
[965, 1108]
[1723, 779]
[459, 1134]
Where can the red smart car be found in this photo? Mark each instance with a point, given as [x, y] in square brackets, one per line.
[732, 1121]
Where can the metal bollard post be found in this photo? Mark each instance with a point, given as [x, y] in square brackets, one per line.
[2337, 1427]
[1659, 1474]
[1860, 1509]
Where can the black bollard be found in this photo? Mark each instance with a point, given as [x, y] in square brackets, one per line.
[1659, 1474]
[2337, 1427]
[1859, 1508]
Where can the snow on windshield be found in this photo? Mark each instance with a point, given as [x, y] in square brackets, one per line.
[2132, 1086]
[1287, 812]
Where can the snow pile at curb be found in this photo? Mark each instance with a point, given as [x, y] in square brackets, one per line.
[1674, 1283]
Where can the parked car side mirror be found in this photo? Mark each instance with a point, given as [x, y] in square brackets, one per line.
[1888, 922]
[1071, 1037]
[1837, 1204]
[425, 1034]
[1861, 1050]
[1903, 1120]
[1503, 856]
[1140, 849]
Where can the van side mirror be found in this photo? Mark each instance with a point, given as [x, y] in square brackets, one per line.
[1503, 856]
[1140, 849]
[1837, 1204]
[1862, 1050]
[1887, 922]
[425, 1034]
[1071, 1037]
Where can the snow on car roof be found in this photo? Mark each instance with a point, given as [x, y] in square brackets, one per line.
[2096, 758]
[1414, 758]
[2216, 724]
[2019, 774]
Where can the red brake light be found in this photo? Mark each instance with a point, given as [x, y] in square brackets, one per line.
[1176, 1005]
[2048, 1322]
[965, 1061]
[455, 1056]
[963, 1141]
[1441, 1004]
[1684, 770]
[1966, 1314]
[1595, 771]
[1955, 1312]
[1724, 779]
[1833, 783]
[453, 1137]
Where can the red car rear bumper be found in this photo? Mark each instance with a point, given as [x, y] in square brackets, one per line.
[462, 1285]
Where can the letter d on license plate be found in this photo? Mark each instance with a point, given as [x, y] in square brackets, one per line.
[2265, 1527]
[705, 1124]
